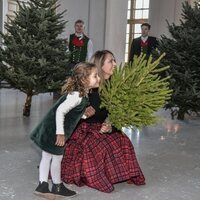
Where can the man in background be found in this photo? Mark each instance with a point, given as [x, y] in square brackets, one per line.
[143, 44]
[80, 46]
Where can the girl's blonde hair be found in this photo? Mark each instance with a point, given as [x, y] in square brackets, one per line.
[98, 59]
[79, 80]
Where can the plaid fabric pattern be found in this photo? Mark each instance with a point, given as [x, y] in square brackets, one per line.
[100, 160]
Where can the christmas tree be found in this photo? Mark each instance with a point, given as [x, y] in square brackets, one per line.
[183, 55]
[33, 58]
[135, 92]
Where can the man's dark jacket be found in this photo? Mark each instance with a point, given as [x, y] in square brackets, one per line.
[136, 47]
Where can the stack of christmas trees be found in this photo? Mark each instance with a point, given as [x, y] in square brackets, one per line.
[33, 58]
[183, 55]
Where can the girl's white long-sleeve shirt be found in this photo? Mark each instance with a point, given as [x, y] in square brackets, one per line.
[72, 100]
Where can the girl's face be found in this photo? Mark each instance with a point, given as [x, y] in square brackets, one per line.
[108, 66]
[94, 79]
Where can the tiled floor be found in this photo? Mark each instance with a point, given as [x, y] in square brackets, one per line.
[169, 155]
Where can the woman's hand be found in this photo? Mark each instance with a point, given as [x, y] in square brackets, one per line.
[60, 140]
[89, 111]
[106, 128]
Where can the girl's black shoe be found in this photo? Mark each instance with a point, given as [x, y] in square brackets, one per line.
[42, 190]
[61, 190]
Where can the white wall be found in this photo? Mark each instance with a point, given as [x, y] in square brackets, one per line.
[76, 9]
[105, 22]
[116, 20]
[4, 4]
[97, 21]
[92, 12]
[162, 10]
[1, 15]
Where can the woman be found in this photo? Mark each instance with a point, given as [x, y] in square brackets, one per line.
[98, 155]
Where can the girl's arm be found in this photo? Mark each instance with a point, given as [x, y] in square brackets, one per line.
[72, 100]
[89, 112]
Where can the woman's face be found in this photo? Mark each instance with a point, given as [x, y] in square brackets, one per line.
[108, 66]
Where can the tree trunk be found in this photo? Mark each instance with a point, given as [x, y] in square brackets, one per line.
[27, 106]
[181, 114]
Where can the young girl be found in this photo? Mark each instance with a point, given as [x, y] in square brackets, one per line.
[58, 125]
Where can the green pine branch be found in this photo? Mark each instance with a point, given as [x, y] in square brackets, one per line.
[135, 92]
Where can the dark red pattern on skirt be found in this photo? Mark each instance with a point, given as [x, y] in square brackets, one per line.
[100, 160]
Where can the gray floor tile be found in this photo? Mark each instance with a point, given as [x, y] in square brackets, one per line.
[169, 155]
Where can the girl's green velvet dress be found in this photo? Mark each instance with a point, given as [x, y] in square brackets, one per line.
[44, 135]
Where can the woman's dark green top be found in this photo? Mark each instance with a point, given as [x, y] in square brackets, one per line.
[44, 135]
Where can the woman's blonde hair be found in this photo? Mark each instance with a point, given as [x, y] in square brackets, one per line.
[79, 80]
[98, 59]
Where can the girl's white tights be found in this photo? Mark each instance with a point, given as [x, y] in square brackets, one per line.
[53, 162]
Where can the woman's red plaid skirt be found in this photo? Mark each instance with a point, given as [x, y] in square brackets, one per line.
[100, 160]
